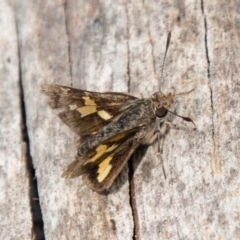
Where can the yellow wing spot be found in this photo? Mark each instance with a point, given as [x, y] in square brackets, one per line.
[118, 137]
[87, 110]
[100, 151]
[104, 115]
[73, 107]
[112, 148]
[104, 168]
[89, 101]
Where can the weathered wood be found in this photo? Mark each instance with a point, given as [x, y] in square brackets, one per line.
[119, 46]
[15, 213]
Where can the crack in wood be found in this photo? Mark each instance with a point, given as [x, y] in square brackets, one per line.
[133, 200]
[68, 42]
[37, 219]
[217, 164]
[205, 38]
[128, 51]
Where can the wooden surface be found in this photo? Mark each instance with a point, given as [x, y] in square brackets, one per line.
[15, 213]
[119, 46]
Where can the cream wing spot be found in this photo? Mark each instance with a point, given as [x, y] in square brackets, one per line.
[100, 151]
[112, 148]
[118, 137]
[73, 107]
[89, 101]
[104, 115]
[104, 173]
[65, 90]
[87, 110]
[104, 169]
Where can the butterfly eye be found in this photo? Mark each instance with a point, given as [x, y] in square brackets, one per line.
[161, 112]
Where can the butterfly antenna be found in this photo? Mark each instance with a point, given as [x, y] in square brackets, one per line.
[167, 45]
[188, 119]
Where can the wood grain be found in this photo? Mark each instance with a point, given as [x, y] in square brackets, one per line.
[15, 211]
[119, 46]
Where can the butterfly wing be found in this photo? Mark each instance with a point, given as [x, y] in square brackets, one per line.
[83, 111]
[101, 165]
[111, 126]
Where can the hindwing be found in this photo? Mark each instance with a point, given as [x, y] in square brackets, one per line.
[101, 165]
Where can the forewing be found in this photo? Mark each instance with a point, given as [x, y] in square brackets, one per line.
[101, 165]
[83, 111]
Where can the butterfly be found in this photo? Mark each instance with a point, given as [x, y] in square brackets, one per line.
[111, 126]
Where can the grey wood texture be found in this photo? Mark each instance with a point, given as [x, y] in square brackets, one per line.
[119, 46]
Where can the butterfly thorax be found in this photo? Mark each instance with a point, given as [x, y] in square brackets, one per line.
[161, 103]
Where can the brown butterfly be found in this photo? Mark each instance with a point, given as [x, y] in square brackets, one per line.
[111, 126]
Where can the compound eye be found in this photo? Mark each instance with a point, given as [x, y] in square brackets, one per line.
[161, 112]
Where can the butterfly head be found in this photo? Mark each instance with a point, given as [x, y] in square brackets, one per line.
[161, 103]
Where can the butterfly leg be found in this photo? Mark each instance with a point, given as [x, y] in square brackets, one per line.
[159, 154]
[184, 93]
[158, 135]
[179, 127]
